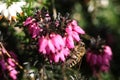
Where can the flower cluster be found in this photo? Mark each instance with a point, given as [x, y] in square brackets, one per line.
[99, 58]
[7, 64]
[10, 12]
[55, 36]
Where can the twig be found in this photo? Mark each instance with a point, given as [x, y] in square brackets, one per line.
[54, 9]
[10, 56]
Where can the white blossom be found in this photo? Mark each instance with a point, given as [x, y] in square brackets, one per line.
[10, 12]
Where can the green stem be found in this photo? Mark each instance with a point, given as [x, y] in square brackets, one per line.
[29, 8]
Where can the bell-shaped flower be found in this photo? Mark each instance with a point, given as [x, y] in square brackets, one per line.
[2, 64]
[108, 50]
[68, 29]
[5, 13]
[88, 56]
[56, 42]
[75, 36]
[59, 56]
[48, 51]
[28, 21]
[106, 59]
[13, 74]
[34, 30]
[74, 23]
[75, 27]
[104, 68]
[99, 60]
[69, 41]
[56, 58]
[78, 29]
[60, 40]
[13, 55]
[51, 46]
[3, 7]
[10, 12]
[10, 68]
[107, 55]
[18, 6]
[65, 51]
[11, 63]
[93, 59]
[43, 42]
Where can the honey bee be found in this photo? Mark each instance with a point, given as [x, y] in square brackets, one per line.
[76, 55]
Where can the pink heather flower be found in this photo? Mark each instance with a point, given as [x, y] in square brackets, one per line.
[72, 32]
[60, 40]
[69, 41]
[48, 51]
[88, 56]
[47, 18]
[108, 50]
[75, 36]
[99, 61]
[93, 59]
[13, 74]
[56, 58]
[46, 45]
[59, 56]
[78, 29]
[56, 42]
[10, 67]
[107, 55]
[65, 51]
[28, 21]
[43, 42]
[105, 60]
[74, 23]
[75, 27]
[64, 40]
[2, 64]
[104, 68]
[69, 30]
[51, 46]
[57, 23]
[13, 55]
[10, 61]
[34, 30]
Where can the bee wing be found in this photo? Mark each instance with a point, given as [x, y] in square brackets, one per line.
[76, 55]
